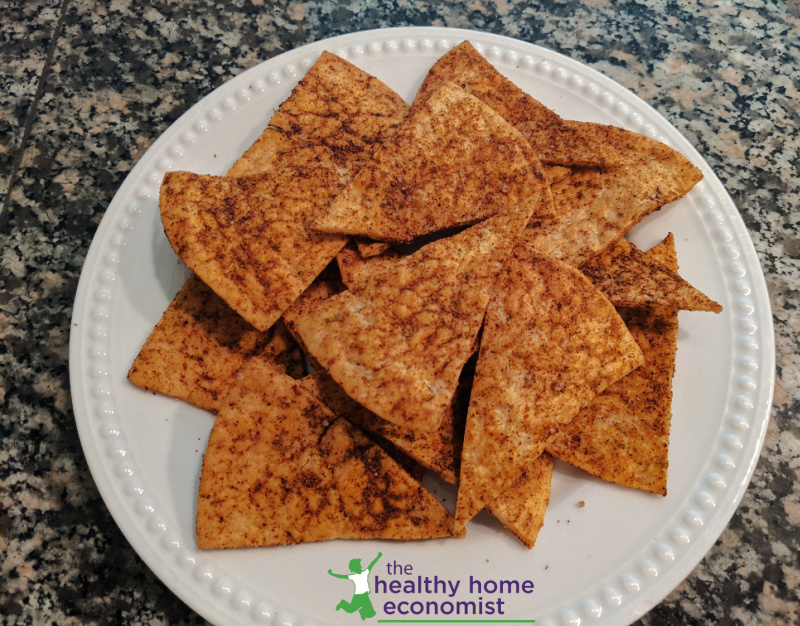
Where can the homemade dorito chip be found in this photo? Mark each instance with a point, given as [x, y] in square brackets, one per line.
[341, 107]
[245, 237]
[630, 278]
[452, 163]
[551, 341]
[555, 140]
[281, 469]
[397, 345]
[598, 206]
[200, 343]
[622, 436]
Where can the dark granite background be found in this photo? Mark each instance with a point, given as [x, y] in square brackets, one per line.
[88, 86]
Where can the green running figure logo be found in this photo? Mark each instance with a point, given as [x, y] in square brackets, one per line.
[360, 578]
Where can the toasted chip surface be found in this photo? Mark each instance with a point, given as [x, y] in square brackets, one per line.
[452, 163]
[622, 436]
[245, 237]
[341, 107]
[356, 270]
[522, 507]
[556, 141]
[200, 343]
[598, 206]
[281, 469]
[630, 278]
[398, 344]
[551, 341]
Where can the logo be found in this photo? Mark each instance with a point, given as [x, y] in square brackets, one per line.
[360, 579]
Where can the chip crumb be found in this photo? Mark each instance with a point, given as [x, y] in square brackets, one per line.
[581, 504]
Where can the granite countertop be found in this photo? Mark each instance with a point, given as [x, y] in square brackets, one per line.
[89, 86]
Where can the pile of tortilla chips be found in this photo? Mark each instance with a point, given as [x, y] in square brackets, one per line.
[455, 273]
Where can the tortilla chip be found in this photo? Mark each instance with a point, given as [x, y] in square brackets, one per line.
[598, 206]
[281, 469]
[551, 341]
[200, 343]
[555, 140]
[453, 163]
[341, 107]
[438, 451]
[398, 344]
[245, 237]
[522, 507]
[622, 436]
[630, 278]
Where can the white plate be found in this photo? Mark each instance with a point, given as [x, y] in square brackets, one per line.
[607, 562]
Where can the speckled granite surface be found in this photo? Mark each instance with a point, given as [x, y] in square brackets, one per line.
[88, 86]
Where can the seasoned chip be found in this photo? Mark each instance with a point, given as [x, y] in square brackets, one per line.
[622, 436]
[521, 508]
[200, 343]
[438, 451]
[281, 469]
[630, 278]
[555, 140]
[342, 108]
[398, 344]
[452, 163]
[245, 237]
[551, 341]
[601, 200]
[598, 206]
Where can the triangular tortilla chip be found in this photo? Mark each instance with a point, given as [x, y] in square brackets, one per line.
[245, 237]
[317, 140]
[341, 107]
[599, 206]
[453, 163]
[281, 469]
[630, 278]
[521, 508]
[551, 341]
[622, 436]
[438, 451]
[398, 344]
[555, 140]
[200, 343]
